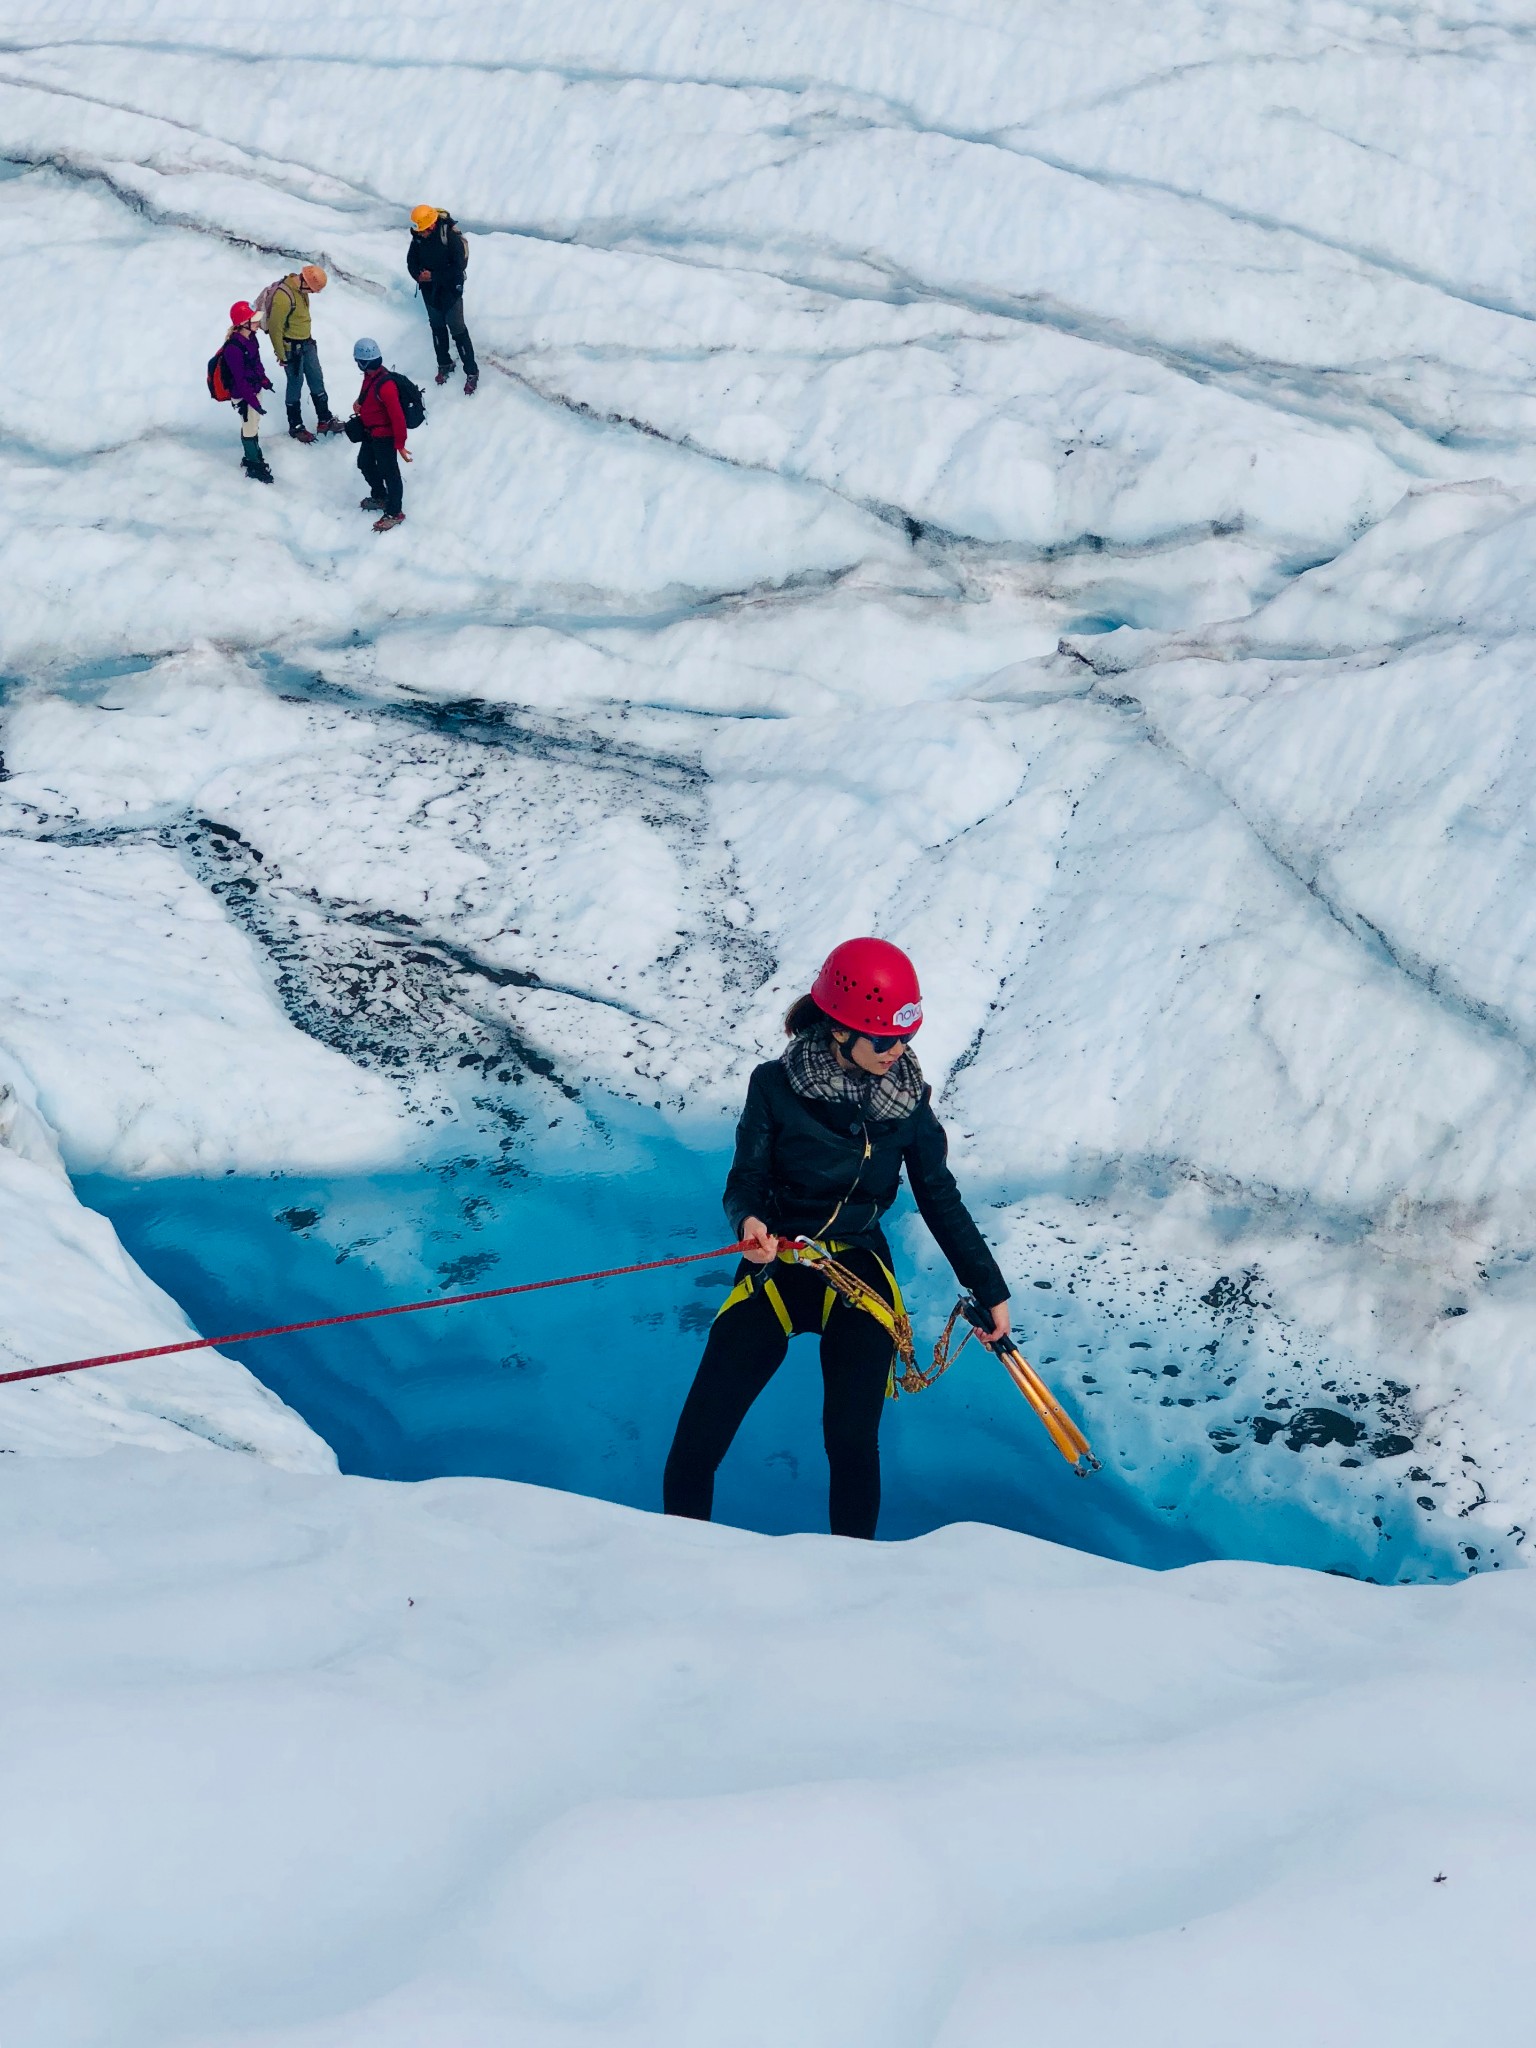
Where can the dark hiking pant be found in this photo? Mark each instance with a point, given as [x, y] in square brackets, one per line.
[448, 325]
[746, 1347]
[377, 459]
[302, 366]
[250, 437]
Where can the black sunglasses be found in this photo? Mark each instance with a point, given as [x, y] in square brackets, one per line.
[884, 1044]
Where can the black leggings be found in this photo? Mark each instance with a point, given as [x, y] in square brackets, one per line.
[746, 1348]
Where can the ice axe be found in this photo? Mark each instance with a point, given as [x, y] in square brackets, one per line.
[1062, 1430]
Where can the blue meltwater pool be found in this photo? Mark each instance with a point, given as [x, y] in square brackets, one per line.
[580, 1388]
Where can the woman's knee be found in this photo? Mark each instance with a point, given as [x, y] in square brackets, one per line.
[703, 1434]
[740, 1358]
[851, 1414]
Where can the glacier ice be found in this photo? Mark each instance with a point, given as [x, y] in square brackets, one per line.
[1053, 486]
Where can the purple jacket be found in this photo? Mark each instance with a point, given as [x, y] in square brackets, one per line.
[242, 368]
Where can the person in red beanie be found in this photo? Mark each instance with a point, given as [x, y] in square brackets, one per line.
[820, 1148]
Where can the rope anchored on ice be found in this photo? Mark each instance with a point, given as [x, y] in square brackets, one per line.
[1064, 1432]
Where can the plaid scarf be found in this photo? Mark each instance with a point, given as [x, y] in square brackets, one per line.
[813, 1070]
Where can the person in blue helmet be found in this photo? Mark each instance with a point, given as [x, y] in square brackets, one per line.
[381, 447]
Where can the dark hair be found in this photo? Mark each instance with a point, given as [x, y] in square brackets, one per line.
[806, 1014]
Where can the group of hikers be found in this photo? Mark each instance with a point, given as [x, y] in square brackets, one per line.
[388, 404]
[828, 1128]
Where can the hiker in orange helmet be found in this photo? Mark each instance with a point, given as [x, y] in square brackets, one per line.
[820, 1148]
[438, 259]
[293, 341]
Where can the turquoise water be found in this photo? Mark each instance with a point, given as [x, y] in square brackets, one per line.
[580, 1388]
[577, 1388]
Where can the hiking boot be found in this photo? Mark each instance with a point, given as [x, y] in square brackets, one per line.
[329, 425]
[300, 433]
[390, 519]
[471, 383]
[259, 473]
[370, 504]
[442, 376]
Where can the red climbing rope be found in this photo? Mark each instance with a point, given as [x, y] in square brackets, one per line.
[363, 1315]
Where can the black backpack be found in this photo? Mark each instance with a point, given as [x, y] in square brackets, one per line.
[412, 404]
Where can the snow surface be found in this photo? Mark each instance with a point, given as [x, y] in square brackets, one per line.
[70, 1286]
[309, 1763]
[1054, 486]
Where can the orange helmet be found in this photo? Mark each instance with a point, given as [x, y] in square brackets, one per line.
[313, 278]
[424, 217]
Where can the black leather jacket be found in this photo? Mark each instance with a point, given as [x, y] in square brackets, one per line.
[817, 1167]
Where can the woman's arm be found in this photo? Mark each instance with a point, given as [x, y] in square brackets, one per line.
[394, 412]
[277, 324]
[749, 1184]
[938, 1200]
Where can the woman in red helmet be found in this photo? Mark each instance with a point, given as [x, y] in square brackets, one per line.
[820, 1147]
[245, 380]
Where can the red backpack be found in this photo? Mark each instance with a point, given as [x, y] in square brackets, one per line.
[218, 381]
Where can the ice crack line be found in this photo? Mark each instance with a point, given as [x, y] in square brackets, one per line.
[850, 109]
[1431, 978]
[938, 541]
[1316, 395]
[1267, 223]
[468, 962]
[1329, 395]
[793, 85]
[509, 729]
[81, 172]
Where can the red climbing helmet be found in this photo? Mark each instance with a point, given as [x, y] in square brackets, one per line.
[241, 312]
[870, 986]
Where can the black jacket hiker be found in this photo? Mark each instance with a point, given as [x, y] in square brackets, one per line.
[439, 262]
[819, 1169]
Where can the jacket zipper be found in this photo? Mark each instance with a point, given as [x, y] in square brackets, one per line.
[846, 1199]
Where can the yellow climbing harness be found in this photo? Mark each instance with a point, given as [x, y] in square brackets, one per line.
[821, 1258]
[892, 1317]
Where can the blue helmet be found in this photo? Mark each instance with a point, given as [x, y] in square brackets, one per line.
[366, 351]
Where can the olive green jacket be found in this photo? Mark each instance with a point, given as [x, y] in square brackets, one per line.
[288, 319]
